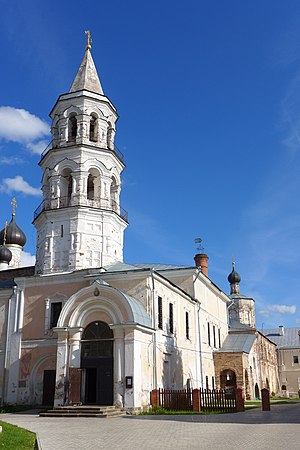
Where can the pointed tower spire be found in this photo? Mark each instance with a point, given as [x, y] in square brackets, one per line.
[87, 76]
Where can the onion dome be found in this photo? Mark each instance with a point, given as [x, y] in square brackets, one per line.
[5, 254]
[13, 235]
[234, 277]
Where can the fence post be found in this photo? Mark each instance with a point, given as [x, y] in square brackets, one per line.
[196, 400]
[154, 397]
[239, 398]
[265, 399]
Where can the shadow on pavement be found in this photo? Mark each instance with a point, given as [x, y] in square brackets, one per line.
[287, 414]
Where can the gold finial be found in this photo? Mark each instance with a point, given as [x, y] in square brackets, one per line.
[4, 234]
[89, 40]
[14, 205]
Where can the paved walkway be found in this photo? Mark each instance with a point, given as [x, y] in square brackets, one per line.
[254, 429]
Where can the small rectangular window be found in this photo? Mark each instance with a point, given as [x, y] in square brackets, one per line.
[171, 322]
[213, 382]
[208, 333]
[187, 326]
[214, 336]
[219, 337]
[55, 312]
[160, 314]
[296, 359]
[206, 382]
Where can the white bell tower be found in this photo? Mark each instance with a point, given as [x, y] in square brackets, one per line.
[80, 223]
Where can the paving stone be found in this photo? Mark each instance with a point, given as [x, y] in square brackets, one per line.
[257, 429]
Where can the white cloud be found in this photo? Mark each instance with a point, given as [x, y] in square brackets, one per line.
[281, 309]
[18, 184]
[27, 259]
[18, 125]
[10, 160]
[37, 147]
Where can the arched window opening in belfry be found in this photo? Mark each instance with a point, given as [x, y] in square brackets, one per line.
[93, 128]
[72, 130]
[93, 186]
[114, 194]
[66, 187]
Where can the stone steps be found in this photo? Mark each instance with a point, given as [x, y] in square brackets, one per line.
[84, 411]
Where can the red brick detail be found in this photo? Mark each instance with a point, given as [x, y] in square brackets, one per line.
[196, 400]
[201, 260]
[154, 397]
[265, 399]
[239, 398]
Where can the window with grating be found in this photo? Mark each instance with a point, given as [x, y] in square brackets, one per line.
[160, 314]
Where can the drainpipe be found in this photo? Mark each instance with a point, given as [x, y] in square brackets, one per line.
[154, 334]
[8, 318]
[199, 329]
[200, 344]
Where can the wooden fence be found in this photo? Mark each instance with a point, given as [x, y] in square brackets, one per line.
[223, 400]
[179, 400]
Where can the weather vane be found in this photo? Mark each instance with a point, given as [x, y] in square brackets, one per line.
[14, 206]
[89, 40]
[199, 247]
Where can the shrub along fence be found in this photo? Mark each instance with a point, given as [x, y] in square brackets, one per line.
[207, 400]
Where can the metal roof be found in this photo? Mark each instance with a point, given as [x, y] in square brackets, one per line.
[123, 267]
[238, 343]
[139, 312]
[290, 338]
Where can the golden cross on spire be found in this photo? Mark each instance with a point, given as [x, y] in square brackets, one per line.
[89, 40]
[4, 234]
[14, 205]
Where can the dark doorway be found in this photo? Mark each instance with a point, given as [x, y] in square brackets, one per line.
[97, 363]
[256, 389]
[227, 379]
[48, 387]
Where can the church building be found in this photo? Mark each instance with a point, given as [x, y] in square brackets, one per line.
[84, 327]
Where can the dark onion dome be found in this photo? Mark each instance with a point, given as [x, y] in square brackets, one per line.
[5, 254]
[14, 234]
[234, 277]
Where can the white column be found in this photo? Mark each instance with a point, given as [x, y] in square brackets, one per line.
[118, 367]
[75, 346]
[61, 365]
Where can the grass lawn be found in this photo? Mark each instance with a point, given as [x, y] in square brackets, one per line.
[15, 438]
[274, 401]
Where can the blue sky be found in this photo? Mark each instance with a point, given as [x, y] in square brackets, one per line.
[209, 100]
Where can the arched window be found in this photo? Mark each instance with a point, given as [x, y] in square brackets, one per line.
[93, 186]
[90, 187]
[72, 130]
[283, 387]
[97, 341]
[65, 187]
[114, 194]
[93, 128]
